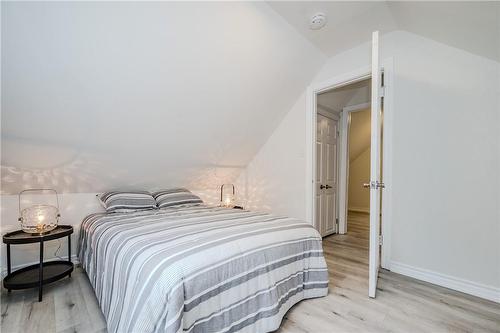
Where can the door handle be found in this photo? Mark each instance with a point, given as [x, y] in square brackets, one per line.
[322, 186]
[328, 186]
[374, 185]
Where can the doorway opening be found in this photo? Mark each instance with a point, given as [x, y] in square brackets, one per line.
[381, 101]
[342, 110]
[356, 167]
[342, 177]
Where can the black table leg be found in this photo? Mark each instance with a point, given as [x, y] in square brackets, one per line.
[69, 250]
[40, 273]
[8, 262]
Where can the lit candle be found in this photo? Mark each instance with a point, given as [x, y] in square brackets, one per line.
[40, 223]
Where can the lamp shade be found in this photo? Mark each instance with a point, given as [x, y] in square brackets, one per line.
[38, 218]
[227, 195]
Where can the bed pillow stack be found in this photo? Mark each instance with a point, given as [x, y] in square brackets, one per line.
[176, 197]
[127, 201]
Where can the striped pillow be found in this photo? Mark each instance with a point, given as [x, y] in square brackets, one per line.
[127, 201]
[175, 197]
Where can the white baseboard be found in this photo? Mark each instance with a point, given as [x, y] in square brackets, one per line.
[359, 209]
[469, 287]
[74, 259]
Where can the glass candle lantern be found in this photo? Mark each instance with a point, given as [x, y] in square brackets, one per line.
[39, 218]
[227, 195]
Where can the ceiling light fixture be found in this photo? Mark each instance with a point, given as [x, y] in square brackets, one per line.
[317, 21]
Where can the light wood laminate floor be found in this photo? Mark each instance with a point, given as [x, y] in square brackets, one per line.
[402, 304]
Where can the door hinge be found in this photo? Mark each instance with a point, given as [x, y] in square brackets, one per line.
[337, 221]
[382, 85]
[380, 240]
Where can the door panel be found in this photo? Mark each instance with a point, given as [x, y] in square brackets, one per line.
[375, 179]
[319, 153]
[326, 174]
[331, 171]
[331, 209]
[331, 174]
[319, 162]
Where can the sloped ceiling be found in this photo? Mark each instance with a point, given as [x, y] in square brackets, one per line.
[349, 23]
[471, 26]
[352, 94]
[113, 95]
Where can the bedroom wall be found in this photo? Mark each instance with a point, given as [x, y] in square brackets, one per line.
[101, 95]
[275, 179]
[73, 207]
[359, 173]
[120, 95]
[446, 224]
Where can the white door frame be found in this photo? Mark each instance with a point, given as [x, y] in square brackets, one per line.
[344, 163]
[311, 111]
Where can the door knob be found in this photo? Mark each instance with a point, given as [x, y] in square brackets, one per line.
[322, 187]
[374, 185]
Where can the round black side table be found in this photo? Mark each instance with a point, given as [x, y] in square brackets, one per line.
[39, 274]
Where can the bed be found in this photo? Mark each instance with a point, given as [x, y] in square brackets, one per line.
[198, 268]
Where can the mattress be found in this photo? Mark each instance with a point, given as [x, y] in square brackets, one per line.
[200, 268]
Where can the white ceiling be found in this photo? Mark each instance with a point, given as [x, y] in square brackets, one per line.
[102, 95]
[471, 26]
[352, 94]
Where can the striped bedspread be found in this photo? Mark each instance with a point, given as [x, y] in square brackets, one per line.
[200, 268]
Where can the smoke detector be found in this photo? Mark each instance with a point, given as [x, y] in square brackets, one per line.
[317, 21]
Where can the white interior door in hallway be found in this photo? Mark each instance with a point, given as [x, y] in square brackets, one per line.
[376, 185]
[326, 174]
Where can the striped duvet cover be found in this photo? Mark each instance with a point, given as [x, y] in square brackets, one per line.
[200, 268]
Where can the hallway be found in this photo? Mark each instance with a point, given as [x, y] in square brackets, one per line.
[347, 255]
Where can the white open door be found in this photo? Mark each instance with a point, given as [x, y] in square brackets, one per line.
[375, 179]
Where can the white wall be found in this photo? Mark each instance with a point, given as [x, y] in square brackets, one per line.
[73, 207]
[359, 160]
[89, 74]
[359, 173]
[275, 179]
[103, 95]
[446, 159]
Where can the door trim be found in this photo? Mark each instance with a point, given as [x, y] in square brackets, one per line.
[311, 111]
